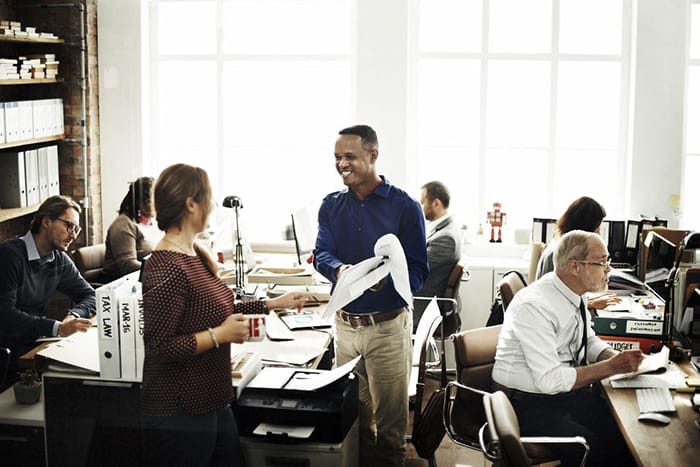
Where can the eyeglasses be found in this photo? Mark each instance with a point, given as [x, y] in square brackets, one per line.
[71, 227]
[603, 264]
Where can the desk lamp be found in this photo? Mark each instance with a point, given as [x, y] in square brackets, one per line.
[236, 204]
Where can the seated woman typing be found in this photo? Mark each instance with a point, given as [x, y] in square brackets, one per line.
[125, 244]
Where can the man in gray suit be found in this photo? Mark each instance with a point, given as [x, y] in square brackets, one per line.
[444, 243]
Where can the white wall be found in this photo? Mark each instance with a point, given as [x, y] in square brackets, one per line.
[657, 138]
[119, 58]
[382, 97]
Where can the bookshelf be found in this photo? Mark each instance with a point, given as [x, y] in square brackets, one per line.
[27, 89]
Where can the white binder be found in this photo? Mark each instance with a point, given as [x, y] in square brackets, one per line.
[2, 122]
[12, 122]
[108, 325]
[13, 193]
[26, 120]
[43, 169]
[138, 337]
[52, 163]
[127, 303]
[31, 173]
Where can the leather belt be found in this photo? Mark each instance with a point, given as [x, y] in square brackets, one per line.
[359, 320]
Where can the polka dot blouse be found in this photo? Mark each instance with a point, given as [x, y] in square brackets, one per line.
[180, 299]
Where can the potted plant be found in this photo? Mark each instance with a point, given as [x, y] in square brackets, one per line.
[28, 389]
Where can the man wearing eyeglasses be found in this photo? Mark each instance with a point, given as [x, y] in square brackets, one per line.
[34, 267]
[548, 357]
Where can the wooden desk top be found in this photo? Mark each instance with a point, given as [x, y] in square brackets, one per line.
[675, 444]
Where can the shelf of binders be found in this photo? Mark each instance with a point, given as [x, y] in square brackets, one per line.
[12, 213]
[45, 139]
[33, 40]
[15, 82]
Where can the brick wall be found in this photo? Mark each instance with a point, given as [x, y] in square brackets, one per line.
[64, 21]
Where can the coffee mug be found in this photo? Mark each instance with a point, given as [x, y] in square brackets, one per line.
[256, 328]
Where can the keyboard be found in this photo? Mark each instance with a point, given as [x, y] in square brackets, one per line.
[655, 400]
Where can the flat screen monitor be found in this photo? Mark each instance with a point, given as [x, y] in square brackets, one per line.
[660, 260]
[304, 229]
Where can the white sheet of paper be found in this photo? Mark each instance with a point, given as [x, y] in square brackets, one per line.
[651, 362]
[389, 259]
[79, 349]
[671, 378]
[299, 379]
[297, 432]
[311, 382]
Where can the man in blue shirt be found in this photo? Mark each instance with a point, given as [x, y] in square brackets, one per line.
[34, 267]
[377, 325]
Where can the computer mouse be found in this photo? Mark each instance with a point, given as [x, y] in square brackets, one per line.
[654, 417]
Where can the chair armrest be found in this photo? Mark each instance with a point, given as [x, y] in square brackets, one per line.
[490, 449]
[559, 440]
[448, 405]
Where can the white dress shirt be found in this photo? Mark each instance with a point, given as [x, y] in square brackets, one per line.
[541, 335]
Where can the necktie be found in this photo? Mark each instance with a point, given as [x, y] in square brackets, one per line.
[584, 344]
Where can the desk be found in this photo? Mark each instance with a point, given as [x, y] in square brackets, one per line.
[21, 432]
[675, 444]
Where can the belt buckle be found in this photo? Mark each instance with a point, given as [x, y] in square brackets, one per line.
[356, 321]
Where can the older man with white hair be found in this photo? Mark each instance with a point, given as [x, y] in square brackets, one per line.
[548, 357]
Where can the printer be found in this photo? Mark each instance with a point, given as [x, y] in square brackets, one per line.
[330, 410]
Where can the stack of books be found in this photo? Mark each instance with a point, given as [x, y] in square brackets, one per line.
[8, 68]
[14, 28]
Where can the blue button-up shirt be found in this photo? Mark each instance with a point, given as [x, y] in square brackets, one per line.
[348, 229]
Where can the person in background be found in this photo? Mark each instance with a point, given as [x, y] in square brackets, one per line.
[190, 320]
[444, 244]
[125, 244]
[548, 357]
[583, 214]
[377, 325]
[34, 267]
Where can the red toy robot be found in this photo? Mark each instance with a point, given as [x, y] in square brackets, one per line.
[496, 218]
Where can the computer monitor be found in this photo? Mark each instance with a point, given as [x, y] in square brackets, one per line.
[660, 261]
[304, 230]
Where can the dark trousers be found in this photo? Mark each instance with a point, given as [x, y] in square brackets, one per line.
[578, 413]
[210, 439]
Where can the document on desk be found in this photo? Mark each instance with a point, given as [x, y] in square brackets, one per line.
[389, 258]
[299, 379]
[651, 362]
[79, 349]
[286, 352]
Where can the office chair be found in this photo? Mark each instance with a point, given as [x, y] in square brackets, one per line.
[423, 345]
[90, 260]
[452, 320]
[500, 440]
[535, 253]
[510, 284]
[475, 352]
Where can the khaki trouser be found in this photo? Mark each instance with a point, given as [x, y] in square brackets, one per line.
[383, 384]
